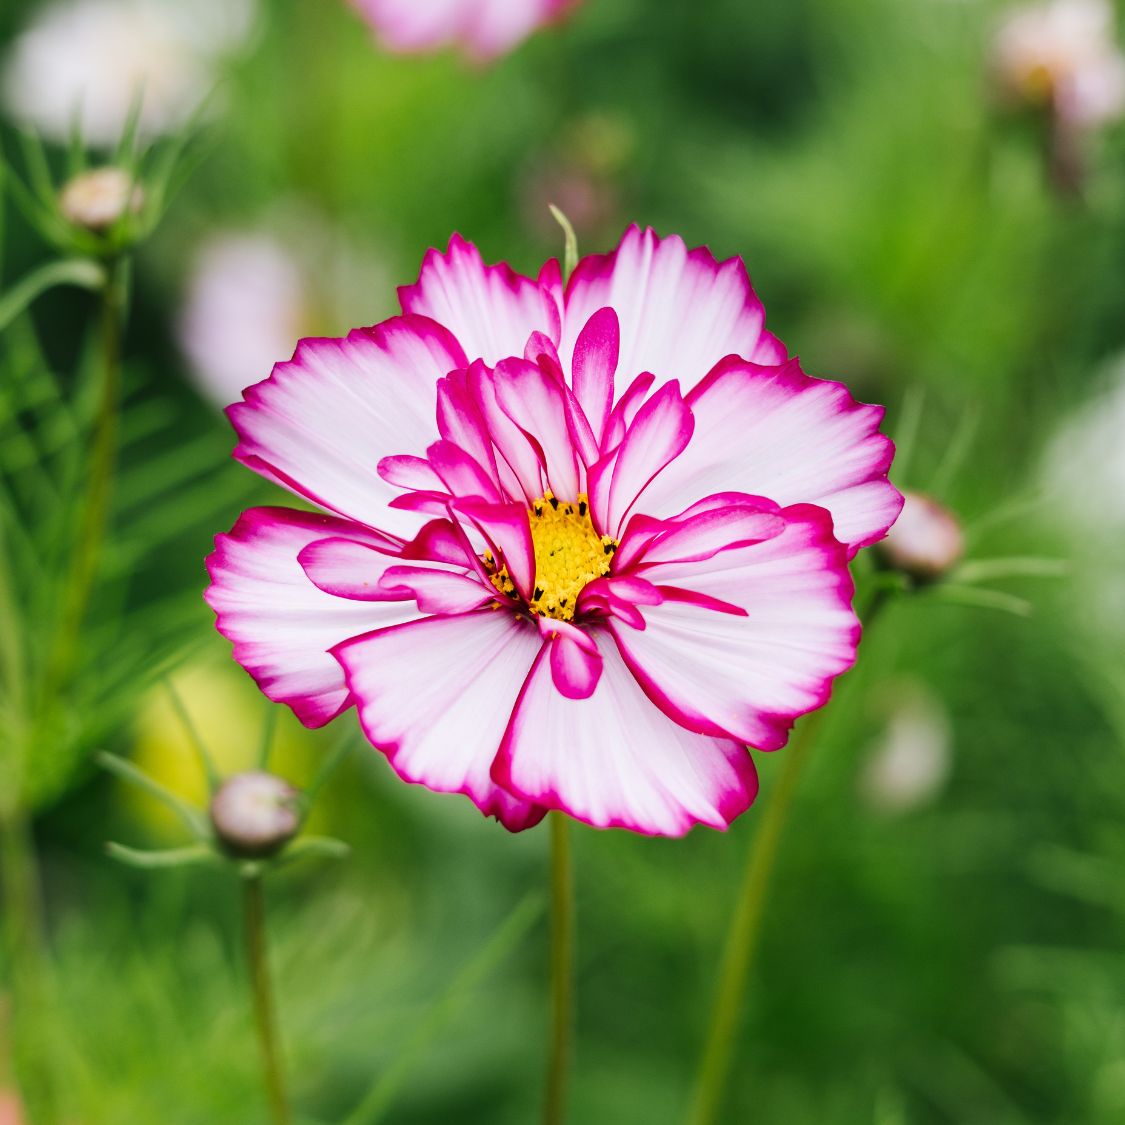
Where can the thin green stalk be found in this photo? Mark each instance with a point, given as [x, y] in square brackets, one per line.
[103, 462]
[27, 968]
[744, 934]
[265, 1014]
[562, 971]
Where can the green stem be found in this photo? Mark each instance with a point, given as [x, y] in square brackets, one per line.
[27, 968]
[562, 971]
[80, 272]
[743, 936]
[265, 1014]
[103, 461]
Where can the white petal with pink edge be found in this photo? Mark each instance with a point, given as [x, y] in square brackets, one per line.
[491, 310]
[614, 760]
[750, 676]
[322, 422]
[776, 432]
[435, 696]
[680, 310]
[281, 624]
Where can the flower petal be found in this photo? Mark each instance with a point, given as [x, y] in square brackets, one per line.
[282, 625]
[507, 530]
[576, 663]
[749, 677]
[680, 310]
[614, 761]
[491, 310]
[776, 432]
[535, 402]
[437, 590]
[320, 424]
[659, 433]
[596, 354]
[435, 697]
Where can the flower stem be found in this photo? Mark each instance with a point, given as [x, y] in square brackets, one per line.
[562, 970]
[27, 968]
[102, 463]
[742, 938]
[745, 929]
[265, 1013]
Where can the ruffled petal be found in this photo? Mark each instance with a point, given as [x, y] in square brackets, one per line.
[281, 624]
[614, 761]
[749, 675]
[776, 432]
[320, 424]
[435, 696]
[596, 356]
[659, 433]
[535, 403]
[680, 310]
[491, 310]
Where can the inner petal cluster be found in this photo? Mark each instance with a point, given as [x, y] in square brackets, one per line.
[569, 554]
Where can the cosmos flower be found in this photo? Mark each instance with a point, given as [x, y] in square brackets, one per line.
[484, 29]
[1063, 54]
[581, 547]
[89, 59]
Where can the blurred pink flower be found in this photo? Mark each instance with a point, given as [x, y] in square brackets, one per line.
[611, 555]
[1063, 54]
[484, 29]
[245, 304]
[11, 1110]
[89, 59]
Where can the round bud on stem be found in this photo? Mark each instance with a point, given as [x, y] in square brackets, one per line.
[96, 199]
[926, 541]
[255, 814]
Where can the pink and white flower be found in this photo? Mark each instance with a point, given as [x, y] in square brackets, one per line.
[582, 545]
[484, 29]
[1063, 53]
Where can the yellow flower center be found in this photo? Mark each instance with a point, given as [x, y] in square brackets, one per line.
[569, 554]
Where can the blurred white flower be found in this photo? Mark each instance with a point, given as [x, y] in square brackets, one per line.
[89, 59]
[1084, 465]
[1063, 54]
[245, 310]
[912, 759]
[251, 295]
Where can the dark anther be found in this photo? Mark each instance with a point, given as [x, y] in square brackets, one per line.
[555, 503]
[581, 507]
[538, 593]
[608, 548]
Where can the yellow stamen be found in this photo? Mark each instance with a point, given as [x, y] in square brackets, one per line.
[569, 554]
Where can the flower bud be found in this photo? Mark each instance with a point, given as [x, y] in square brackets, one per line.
[255, 814]
[98, 198]
[925, 541]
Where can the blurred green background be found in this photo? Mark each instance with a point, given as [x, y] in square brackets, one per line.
[948, 949]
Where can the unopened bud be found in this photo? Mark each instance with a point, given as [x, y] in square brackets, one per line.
[925, 541]
[255, 814]
[98, 198]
